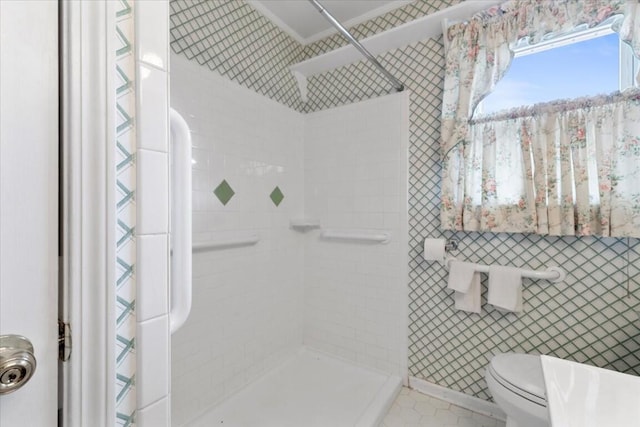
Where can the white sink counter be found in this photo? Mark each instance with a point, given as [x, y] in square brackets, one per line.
[580, 395]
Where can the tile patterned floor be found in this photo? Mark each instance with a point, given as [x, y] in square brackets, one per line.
[413, 409]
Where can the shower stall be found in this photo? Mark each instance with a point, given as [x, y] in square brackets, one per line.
[299, 305]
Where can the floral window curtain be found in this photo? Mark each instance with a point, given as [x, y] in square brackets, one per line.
[569, 168]
[488, 185]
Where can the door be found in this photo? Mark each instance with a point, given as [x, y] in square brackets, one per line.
[29, 201]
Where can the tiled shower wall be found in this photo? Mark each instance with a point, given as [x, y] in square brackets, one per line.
[356, 179]
[591, 317]
[152, 221]
[247, 301]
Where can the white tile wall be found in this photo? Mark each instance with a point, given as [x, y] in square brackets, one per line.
[152, 272]
[153, 360]
[152, 36]
[152, 198]
[153, 99]
[247, 302]
[155, 415]
[251, 305]
[356, 178]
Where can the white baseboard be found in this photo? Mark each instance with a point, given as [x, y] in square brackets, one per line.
[459, 399]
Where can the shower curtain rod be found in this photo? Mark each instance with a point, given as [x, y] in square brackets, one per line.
[399, 87]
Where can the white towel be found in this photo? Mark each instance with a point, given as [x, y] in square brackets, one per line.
[460, 276]
[470, 300]
[505, 288]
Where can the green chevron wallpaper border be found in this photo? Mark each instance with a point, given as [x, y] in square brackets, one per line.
[125, 209]
[592, 317]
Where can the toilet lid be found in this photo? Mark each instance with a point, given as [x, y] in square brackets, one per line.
[521, 372]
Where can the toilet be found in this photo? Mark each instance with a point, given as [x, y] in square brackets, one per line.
[516, 383]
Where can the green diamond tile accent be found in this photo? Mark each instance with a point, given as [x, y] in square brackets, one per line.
[276, 196]
[224, 192]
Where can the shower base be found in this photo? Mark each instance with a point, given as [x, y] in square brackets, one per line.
[312, 389]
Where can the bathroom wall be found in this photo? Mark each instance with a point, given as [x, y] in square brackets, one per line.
[243, 46]
[247, 301]
[249, 49]
[591, 317]
[356, 179]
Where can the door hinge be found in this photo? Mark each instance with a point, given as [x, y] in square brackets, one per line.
[64, 341]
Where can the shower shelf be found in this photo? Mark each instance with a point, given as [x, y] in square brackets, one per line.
[230, 242]
[357, 236]
[304, 224]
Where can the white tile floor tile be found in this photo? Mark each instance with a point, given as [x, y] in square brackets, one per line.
[416, 409]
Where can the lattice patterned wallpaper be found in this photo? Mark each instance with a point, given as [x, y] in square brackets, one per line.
[591, 317]
[232, 38]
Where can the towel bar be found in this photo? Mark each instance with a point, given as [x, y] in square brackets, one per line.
[226, 243]
[356, 235]
[552, 274]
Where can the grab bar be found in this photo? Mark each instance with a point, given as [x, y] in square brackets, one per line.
[180, 236]
[356, 235]
[552, 274]
[249, 240]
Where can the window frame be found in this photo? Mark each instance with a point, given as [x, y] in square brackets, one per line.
[628, 66]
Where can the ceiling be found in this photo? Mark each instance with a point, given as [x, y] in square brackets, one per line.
[303, 22]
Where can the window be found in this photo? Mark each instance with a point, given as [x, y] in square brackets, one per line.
[558, 168]
[583, 63]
